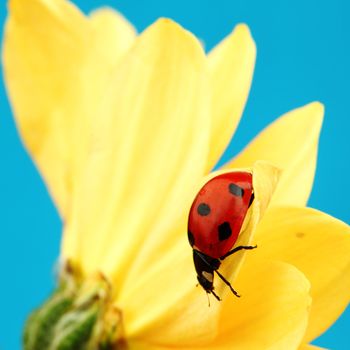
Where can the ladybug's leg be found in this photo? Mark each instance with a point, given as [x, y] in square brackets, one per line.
[241, 247]
[227, 283]
[215, 295]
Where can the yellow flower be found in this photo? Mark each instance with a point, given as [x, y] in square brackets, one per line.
[125, 129]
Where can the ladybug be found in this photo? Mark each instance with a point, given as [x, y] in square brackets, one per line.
[214, 223]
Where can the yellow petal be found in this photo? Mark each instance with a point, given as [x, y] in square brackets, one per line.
[48, 74]
[111, 36]
[310, 347]
[231, 66]
[39, 76]
[319, 246]
[139, 345]
[272, 312]
[146, 153]
[115, 36]
[291, 144]
[165, 307]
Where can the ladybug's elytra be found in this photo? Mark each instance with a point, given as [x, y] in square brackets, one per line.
[215, 220]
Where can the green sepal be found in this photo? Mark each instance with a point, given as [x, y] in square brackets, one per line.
[39, 327]
[30, 328]
[73, 318]
[75, 329]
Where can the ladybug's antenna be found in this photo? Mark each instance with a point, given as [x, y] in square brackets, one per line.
[208, 299]
[215, 295]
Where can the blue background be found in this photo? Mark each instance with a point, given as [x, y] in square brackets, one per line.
[303, 55]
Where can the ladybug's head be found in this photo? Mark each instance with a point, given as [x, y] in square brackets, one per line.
[205, 279]
[205, 267]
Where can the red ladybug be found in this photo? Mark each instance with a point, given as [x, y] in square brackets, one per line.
[215, 220]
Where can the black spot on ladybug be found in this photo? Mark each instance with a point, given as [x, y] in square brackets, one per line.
[224, 231]
[190, 238]
[203, 209]
[236, 190]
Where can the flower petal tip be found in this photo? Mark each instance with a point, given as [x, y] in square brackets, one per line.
[317, 105]
[167, 26]
[243, 30]
[308, 116]
[106, 13]
[169, 31]
[242, 33]
[316, 110]
[268, 165]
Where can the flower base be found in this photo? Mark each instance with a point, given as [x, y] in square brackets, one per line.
[77, 316]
